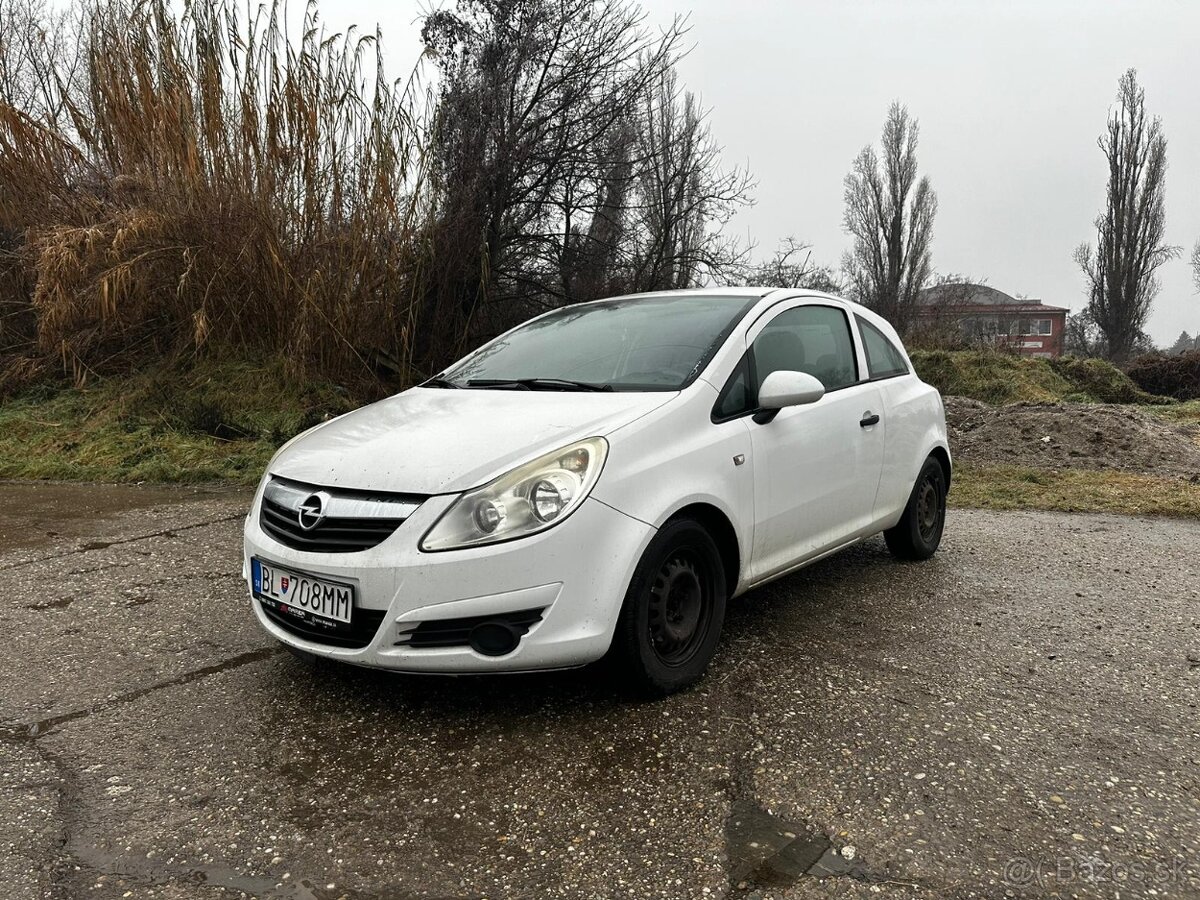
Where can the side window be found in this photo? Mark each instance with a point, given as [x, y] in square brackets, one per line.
[735, 397]
[812, 339]
[883, 359]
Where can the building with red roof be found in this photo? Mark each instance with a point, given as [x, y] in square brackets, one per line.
[984, 314]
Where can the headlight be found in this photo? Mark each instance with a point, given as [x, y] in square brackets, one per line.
[529, 499]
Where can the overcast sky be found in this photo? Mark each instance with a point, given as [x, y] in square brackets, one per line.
[1011, 97]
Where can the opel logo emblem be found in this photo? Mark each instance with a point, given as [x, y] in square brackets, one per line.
[311, 512]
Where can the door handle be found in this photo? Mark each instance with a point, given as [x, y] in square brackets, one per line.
[869, 418]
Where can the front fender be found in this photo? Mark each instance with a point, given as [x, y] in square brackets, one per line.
[664, 463]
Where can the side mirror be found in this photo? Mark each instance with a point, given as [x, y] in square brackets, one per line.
[782, 389]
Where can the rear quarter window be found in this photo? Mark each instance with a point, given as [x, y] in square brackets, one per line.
[884, 360]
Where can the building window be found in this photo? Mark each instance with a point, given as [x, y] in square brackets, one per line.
[1033, 327]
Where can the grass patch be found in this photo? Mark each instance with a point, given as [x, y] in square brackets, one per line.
[213, 421]
[1186, 413]
[221, 420]
[1073, 490]
[998, 378]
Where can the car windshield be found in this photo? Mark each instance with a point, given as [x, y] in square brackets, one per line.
[633, 344]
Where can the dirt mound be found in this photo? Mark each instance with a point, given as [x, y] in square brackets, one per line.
[1071, 435]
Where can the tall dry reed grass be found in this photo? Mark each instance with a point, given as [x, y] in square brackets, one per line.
[211, 179]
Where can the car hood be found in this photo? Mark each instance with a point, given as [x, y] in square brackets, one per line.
[439, 440]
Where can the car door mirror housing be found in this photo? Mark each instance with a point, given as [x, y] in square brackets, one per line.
[782, 389]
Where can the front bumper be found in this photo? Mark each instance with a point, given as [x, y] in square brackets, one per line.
[578, 571]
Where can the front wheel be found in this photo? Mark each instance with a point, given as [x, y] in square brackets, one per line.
[671, 619]
[919, 531]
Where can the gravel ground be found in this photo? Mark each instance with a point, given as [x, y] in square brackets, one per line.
[1072, 435]
[1016, 717]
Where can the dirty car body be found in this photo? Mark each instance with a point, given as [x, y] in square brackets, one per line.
[599, 480]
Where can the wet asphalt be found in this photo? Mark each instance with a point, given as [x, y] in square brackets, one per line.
[1016, 717]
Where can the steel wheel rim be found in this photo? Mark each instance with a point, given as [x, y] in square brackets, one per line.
[929, 507]
[680, 608]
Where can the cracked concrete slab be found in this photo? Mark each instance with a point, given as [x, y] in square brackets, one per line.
[39, 515]
[1008, 718]
[140, 598]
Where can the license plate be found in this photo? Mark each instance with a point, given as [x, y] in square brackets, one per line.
[302, 596]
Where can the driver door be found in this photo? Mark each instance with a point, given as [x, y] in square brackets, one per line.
[817, 466]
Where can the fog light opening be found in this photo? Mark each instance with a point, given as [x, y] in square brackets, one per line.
[493, 638]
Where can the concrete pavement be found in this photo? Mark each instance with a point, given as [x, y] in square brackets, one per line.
[1017, 716]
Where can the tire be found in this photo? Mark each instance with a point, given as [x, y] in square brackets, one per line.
[671, 618]
[919, 531]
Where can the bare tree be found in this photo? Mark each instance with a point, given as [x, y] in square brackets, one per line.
[1120, 273]
[889, 214]
[530, 145]
[659, 203]
[41, 58]
[1083, 337]
[1196, 265]
[681, 195]
[792, 266]
[592, 257]
[567, 163]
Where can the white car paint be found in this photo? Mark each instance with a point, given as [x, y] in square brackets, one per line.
[428, 441]
[788, 492]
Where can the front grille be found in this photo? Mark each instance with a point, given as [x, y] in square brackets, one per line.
[348, 521]
[455, 632]
[356, 635]
[336, 536]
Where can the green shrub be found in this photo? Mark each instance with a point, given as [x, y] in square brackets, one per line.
[990, 376]
[1100, 380]
[995, 377]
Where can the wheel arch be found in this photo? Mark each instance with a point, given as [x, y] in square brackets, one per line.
[942, 455]
[724, 535]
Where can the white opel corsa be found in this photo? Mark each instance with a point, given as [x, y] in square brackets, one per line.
[599, 481]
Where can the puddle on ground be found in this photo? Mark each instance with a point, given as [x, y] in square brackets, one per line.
[128, 868]
[35, 515]
[765, 851]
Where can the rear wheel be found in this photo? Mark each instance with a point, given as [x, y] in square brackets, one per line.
[671, 618]
[919, 531]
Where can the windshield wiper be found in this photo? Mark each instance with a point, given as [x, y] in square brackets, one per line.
[531, 384]
[439, 382]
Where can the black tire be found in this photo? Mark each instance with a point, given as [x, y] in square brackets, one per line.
[671, 619]
[919, 531]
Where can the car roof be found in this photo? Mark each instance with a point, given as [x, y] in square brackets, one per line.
[773, 294]
[731, 293]
[765, 297]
